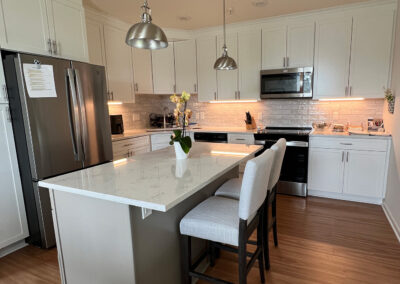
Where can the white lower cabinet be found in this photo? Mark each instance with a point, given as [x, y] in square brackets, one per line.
[349, 169]
[241, 138]
[160, 141]
[129, 147]
[13, 223]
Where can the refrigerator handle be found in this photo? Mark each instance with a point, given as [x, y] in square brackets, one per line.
[76, 133]
[82, 107]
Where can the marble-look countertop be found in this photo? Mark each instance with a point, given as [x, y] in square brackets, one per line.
[362, 135]
[154, 180]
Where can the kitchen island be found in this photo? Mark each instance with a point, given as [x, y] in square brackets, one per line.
[119, 222]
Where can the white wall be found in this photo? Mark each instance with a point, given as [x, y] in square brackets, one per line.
[392, 123]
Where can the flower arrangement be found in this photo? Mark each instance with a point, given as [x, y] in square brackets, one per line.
[390, 99]
[182, 116]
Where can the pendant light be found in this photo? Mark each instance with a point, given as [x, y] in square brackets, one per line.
[145, 34]
[225, 62]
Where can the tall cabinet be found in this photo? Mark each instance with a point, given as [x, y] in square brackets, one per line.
[164, 70]
[206, 75]
[185, 66]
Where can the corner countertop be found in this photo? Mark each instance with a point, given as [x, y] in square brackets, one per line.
[154, 180]
[362, 135]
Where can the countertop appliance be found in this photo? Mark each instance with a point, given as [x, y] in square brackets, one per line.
[166, 120]
[287, 83]
[117, 124]
[211, 137]
[293, 179]
[55, 134]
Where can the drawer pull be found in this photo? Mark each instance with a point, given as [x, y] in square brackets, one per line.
[240, 139]
[342, 156]
[347, 144]
[347, 157]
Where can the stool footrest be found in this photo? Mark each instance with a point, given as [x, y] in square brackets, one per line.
[228, 248]
[208, 278]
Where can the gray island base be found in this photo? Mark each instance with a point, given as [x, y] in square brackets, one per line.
[119, 222]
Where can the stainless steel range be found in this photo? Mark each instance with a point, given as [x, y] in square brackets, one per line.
[293, 179]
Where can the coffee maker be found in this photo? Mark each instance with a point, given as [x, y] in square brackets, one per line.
[117, 124]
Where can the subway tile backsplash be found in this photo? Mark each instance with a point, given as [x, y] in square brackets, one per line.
[286, 112]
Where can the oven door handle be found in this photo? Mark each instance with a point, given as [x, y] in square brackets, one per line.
[302, 144]
[259, 142]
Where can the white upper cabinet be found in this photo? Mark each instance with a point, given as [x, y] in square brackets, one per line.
[142, 71]
[228, 80]
[185, 66]
[13, 223]
[207, 77]
[300, 44]
[371, 52]
[95, 36]
[164, 70]
[68, 29]
[332, 57]
[249, 53]
[273, 46]
[119, 65]
[24, 26]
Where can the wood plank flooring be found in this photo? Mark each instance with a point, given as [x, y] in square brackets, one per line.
[320, 241]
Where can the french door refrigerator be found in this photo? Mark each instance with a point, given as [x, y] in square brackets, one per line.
[55, 134]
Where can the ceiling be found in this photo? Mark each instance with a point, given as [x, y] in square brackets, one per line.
[205, 13]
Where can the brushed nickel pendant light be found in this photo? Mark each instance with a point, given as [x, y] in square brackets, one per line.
[145, 34]
[225, 62]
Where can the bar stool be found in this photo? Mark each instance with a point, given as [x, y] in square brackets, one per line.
[227, 222]
[232, 189]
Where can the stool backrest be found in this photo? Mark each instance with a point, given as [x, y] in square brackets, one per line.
[279, 148]
[255, 184]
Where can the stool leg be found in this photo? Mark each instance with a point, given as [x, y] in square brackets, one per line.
[274, 216]
[266, 233]
[242, 253]
[212, 254]
[260, 246]
[186, 259]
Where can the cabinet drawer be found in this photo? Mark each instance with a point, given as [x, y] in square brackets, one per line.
[131, 143]
[161, 138]
[241, 139]
[365, 144]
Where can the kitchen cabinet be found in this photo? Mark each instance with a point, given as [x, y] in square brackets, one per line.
[249, 53]
[67, 29]
[185, 66]
[160, 141]
[288, 45]
[129, 147]
[227, 81]
[245, 138]
[3, 87]
[119, 65]
[348, 168]
[13, 222]
[332, 57]
[164, 70]
[95, 36]
[206, 75]
[142, 71]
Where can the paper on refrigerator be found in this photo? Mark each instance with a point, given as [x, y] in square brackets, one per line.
[39, 80]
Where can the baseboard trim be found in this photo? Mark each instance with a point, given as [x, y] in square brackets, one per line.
[346, 197]
[12, 248]
[392, 221]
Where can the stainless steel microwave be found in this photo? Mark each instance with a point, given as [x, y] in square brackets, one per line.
[287, 83]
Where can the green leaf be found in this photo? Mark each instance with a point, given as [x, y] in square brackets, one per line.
[178, 134]
[186, 144]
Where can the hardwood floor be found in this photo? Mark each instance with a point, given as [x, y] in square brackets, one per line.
[320, 241]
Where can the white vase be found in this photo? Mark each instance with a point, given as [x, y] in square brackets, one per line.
[180, 154]
[181, 167]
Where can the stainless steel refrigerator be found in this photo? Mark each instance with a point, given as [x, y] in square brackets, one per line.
[56, 135]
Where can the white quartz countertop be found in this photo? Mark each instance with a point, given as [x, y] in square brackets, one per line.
[154, 180]
[364, 134]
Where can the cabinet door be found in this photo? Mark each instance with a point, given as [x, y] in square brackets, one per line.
[142, 71]
[68, 29]
[13, 224]
[228, 80]
[300, 44]
[365, 173]
[371, 52]
[185, 66]
[325, 170]
[249, 53]
[206, 75]
[332, 57]
[164, 70]
[3, 88]
[273, 46]
[119, 65]
[24, 26]
[95, 36]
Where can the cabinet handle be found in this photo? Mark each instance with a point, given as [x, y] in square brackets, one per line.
[239, 95]
[287, 61]
[215, 95]
[5, 93]
[174, 88]
[240, 139]
[55, 47]
[195, 88]
[8, 114]
[342, 156]
[284, 61]
[351, 90]
[112, 96]
[347, 157]
[136, 87]
[49, 47]
[347, 144]
[346, 90]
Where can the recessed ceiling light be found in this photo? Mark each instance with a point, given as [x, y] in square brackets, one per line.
[259, 3]
[184, 18]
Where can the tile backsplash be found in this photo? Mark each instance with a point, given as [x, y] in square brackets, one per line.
[293, 112]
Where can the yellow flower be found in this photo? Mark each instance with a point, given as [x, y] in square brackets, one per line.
[185, 96]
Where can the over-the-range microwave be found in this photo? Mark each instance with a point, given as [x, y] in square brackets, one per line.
[287, 83]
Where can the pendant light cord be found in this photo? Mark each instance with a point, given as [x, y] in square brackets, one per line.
[224, 25]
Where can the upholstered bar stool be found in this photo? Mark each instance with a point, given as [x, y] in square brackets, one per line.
[228, 222]
[232, 189]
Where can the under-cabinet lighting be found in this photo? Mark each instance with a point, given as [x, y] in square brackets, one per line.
[114, 103]
[342, 99]
[119, 162]
[228, 153]
[233, 101]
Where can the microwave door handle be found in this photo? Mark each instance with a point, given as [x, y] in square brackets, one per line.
[82, 113]
[77, 138]
[302, 83]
